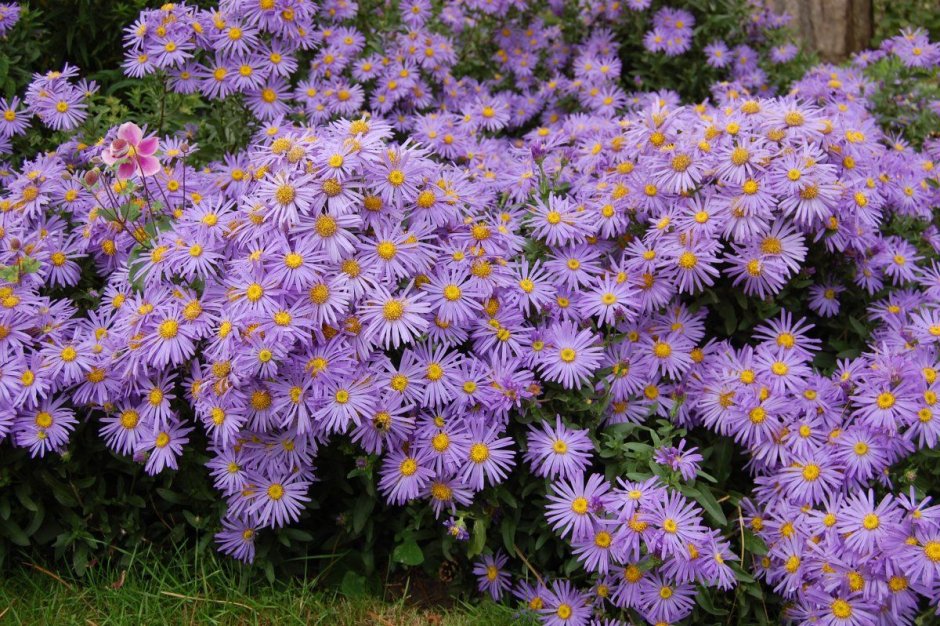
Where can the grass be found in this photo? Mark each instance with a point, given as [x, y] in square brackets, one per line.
[208, 590]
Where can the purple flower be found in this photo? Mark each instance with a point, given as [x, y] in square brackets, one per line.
[677, 458]
[559, 451]
[572, 355]
[574, 503]
[164, 446]
[493, 579]
[564, 605]
[279, 500]
[488, 458]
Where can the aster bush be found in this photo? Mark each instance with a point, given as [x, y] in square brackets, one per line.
[625, 303]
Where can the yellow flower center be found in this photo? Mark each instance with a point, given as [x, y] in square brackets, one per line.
[452, 293]
[434, 372]
[393, 310]
[479, 453]
[841, 609]
[662, 350]
[168, 329]
[810, 472]
[285, 194]
[396, 178]
[408, 467]
[885, 400]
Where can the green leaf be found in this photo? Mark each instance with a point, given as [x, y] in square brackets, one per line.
[28, 265]
[704, 600]
[13, 532]
[742, 576]
[508, 528]
[708, 502]
[754, 544]
[477, 539]
[353, 584]
[857, 326]
[170, 496]
[408, 553]
[361, 511]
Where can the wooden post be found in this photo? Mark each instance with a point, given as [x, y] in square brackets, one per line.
[833, 28]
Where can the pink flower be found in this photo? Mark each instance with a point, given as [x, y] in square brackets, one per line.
[133, 151]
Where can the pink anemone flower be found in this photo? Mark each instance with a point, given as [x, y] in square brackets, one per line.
[133, 152]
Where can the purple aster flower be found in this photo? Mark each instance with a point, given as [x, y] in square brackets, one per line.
[864, 524]
[678, 523]
[164, 445]
[559, 451]
[44, 428]
[488, 458]
[237, 538]
[395, 320]
[572, 355]
[13, 121]
[717, 54]
[574, 504]
[610, 300]
[665, 601]
[493, 579]
[404, 476]
[564, 605]
[457, 529]
[677, 458]
[279, 500]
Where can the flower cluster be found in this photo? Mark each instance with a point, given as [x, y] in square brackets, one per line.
[55, 98]
[412, 260]
[647, 545]
[816, 443]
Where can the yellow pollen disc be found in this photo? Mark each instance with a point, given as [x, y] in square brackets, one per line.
[662, 350]
[168, 329]
[479, 453]
[275, 491]
[386, 250]
[810, 472]
[254, 292]
[885, 400]
[841, 609]
[285, 194]
[396, 178]
[408, 467]
[393, 310]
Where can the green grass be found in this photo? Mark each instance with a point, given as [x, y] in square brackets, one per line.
[187, 589]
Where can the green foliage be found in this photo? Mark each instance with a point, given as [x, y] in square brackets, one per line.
[891, 16]
[183, 587]
[903, 98]
[87, 33]
[19, 54]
